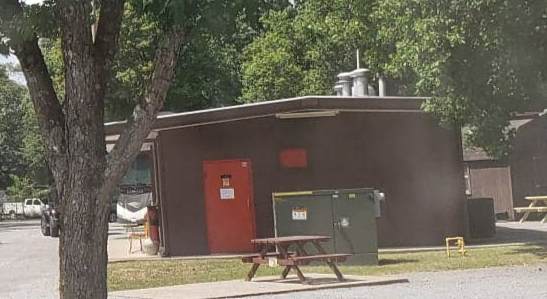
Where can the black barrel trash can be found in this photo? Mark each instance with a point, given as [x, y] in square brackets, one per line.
[482, 218]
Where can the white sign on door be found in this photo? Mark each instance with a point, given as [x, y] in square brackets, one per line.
[227, 193]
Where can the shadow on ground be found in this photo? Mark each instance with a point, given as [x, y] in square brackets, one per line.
[514, 232]
[541, 252]
[310, 281]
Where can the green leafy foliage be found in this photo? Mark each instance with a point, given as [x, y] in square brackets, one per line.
[38, 19]
[54, 61]
[305, 46]
[212, 15]
[133, 64]
[23, 188]
[12, 128]
[483, 60]
[21, 148]
[208, 70]
[208, 75]
[33, 149]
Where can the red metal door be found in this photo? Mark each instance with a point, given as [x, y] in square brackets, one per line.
[229, 205]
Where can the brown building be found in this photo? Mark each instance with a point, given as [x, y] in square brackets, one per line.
[215, 170]
[524, 173]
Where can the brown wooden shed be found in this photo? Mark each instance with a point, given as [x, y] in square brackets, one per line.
[489, 178]
[523, 173]
[297, 144]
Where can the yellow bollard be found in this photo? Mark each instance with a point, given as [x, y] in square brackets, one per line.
[459, 243]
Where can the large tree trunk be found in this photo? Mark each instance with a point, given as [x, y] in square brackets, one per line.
[76, 153]
[74, 132]
[83, 241]
[84, 222]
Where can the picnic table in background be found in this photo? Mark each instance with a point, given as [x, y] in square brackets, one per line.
[533, 207]
[292, 259]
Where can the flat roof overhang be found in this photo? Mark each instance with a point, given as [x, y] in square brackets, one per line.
[308, 104]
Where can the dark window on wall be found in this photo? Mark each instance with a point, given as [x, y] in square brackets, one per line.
[293, 158]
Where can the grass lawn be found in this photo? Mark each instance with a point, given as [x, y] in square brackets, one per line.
[149, 274]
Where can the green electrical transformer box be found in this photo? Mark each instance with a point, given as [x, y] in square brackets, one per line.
[348, 216]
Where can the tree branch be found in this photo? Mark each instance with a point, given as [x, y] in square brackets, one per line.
[44, 98]
[84, 104]
[49, 111]
[106, 38]
[138, 126]
[77, 49]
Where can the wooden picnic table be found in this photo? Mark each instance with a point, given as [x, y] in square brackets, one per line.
[534, 207]
[292, 259]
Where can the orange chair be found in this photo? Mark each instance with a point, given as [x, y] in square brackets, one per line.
[137, 235]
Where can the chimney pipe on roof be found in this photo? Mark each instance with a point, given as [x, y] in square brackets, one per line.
[345, 82]
[381, 85]
[338, 89]
[371, 90]
[360, 82]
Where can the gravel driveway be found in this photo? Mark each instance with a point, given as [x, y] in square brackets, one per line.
[504, 282]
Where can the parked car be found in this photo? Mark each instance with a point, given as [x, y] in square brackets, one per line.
[50, 223]
[29, 208]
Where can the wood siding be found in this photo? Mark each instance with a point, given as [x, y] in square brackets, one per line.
[529, 161]
[492, 179]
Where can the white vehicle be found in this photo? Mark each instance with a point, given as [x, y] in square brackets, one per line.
[30, 208]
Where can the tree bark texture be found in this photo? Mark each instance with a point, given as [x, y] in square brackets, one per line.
[83, 243]
[74, 134]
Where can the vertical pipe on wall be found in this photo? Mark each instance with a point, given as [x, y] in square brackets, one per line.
[164, 249]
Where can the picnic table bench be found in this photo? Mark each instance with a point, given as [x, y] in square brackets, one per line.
[533, 207]
[292, 259]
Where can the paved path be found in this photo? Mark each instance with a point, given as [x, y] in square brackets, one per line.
[28, 261]
[505, 282]
[530, 231]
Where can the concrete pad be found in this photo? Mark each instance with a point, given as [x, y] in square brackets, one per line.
[118, 245]
[259, 286]
[118, 250]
